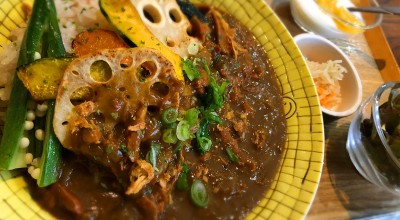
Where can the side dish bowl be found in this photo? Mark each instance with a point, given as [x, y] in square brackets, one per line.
[318, 49]
[321, 19]
[367, 142]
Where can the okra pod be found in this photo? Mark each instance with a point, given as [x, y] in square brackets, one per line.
[42, 36]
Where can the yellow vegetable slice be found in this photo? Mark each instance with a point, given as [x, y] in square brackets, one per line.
[43, 77]
[124, 17]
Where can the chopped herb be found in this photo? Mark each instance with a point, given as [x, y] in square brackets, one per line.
[179, 146]
[191, 116]
[214, 97]
[123, 148]
[182, 182]
[190, 69]
[232, 156]
[140, 132]
[115, 115]
[151, 156]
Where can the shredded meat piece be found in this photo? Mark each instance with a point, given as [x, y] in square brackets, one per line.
[167, 180]
[239, 126]
[225, 36]
[91, 134]
[141, 174]
[199, 28]
[233, 143]
[260, 139]
[149, 207]
[86, 108]
[229, 115]
[135, 138]
[70, 201]
[248, 110]
[154, 203]
[137, 127]
[201, 172]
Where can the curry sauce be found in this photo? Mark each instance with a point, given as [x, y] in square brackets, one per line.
[253, 127]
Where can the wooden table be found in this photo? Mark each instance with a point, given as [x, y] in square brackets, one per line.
[343, 193]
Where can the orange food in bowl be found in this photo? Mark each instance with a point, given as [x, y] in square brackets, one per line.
[341, 12]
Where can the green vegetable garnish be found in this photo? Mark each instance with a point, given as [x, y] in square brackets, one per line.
[232, 156]
[191, 116]
[182, 182]
[204, 143]
[214, 97]
[43, 36]
[169, 116]
[190, 69]
[198, 194]
[183, 130]
[151, 156]
[169, 136]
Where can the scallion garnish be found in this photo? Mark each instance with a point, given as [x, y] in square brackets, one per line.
[169, 116]
[198, 194]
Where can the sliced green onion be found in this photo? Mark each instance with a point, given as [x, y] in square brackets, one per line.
[182, 182]
[179, 146]
[211, 116]
[169, 116]
[232, 156]
[198, 194]
[204, 143]
[191, 116]
[183, 130]
[169, 136]
[190, 69]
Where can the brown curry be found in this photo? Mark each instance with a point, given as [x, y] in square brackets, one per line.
[100, 179]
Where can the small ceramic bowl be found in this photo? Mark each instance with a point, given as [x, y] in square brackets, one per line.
[319, 49]
[372, 140]
[319, 19]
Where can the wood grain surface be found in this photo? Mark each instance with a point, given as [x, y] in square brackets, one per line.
[343, 193]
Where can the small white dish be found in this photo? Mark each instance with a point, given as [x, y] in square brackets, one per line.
[319, 49]
[313, 17]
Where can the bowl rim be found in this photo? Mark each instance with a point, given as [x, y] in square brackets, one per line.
[358, 154]
[376, 23]
[377, 118]
[352, 70]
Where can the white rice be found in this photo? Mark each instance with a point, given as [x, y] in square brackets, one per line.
[8, 63]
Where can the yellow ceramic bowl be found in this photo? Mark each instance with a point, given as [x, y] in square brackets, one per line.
[296, 181]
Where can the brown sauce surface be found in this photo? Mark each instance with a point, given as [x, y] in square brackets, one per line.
[253, 126]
